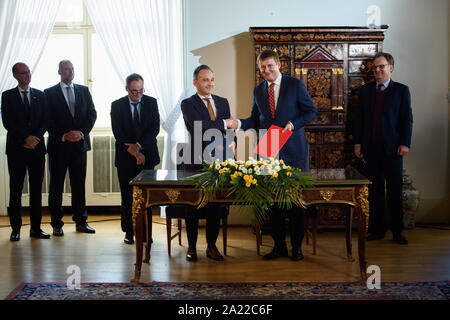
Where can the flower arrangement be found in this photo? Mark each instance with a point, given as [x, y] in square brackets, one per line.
[255, 183]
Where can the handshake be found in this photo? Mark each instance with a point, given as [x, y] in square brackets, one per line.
[232, 123]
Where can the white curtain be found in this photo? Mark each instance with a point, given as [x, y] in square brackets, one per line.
[145, 37]
[25, 26]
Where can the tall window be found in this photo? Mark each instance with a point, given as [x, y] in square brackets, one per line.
[74, 38]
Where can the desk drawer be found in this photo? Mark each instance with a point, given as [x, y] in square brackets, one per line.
[167, 196]
[329, 195]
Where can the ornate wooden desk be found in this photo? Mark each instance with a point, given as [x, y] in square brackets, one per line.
[166, 187]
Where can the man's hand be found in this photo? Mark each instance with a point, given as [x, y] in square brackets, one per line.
[358, 151]
[402, 150]
[73, 136]
[232, 145]
[31, 142]
[289, 126]
[140, 159]
[232, 123]
[133, 148]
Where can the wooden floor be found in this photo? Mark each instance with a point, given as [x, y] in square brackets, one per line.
[103, 257]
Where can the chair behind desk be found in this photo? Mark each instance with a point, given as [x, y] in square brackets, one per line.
[180, 212]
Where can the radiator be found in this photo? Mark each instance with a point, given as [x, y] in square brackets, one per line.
[102, 184]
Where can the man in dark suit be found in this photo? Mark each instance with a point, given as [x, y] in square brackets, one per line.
[25, 117]
[205, 111]
[72, 117]
[283, 101]
[383, 129]
[135, 124]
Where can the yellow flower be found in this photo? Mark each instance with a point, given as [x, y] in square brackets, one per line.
[254, 181]
[275, 175]
[211, 166]
[246, 177]
[220, 171]
[224, 164]
[289, 173]
[248, 184]
[235, 166]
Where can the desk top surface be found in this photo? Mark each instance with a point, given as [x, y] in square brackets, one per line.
[175, 177]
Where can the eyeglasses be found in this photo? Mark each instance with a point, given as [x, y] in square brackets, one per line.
[136, 92]
[380, 66]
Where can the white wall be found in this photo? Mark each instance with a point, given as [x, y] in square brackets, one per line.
[418, 37]
[217, 35]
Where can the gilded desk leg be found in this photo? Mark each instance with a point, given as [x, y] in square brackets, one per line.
[148, 235]
[138, 225]
[363, 217]
[348, 234]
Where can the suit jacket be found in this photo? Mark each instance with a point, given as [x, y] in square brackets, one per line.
[124, 131]
[61, 120]
[194, 109]
[396, 121]
[21, 123]
[294, 105]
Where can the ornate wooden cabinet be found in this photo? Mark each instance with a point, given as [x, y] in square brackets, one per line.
[333, 63]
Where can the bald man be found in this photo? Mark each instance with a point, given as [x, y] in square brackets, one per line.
[25, 117]
[72, 117]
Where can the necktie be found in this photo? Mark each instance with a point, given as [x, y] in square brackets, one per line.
[210, 109]
[272, 99]
[70, 99]
[25, 101]
[136, 113]
[380, 87]
[136, 120]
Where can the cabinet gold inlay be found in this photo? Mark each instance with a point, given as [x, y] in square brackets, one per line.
[327, 194]
[172, 195]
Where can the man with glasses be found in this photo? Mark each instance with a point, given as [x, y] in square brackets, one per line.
[72, 117]
[383, 129]
[135, 125]
[25, 117]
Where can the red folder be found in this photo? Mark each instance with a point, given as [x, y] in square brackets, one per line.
[272, 142]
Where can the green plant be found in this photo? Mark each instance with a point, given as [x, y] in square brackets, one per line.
[255, 183]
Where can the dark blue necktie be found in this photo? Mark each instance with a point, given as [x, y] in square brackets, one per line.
[25, 101]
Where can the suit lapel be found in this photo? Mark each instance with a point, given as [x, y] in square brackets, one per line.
[33, 104]
[388, 98]
[77, 94]
[372, 92]
[281, 96]
[19, 102]
[219, 110]
[200, 106]
[18, 98]
[62, 100]
[143, 114]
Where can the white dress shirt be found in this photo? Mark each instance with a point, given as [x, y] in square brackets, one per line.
[28, 94]
[64, 91]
